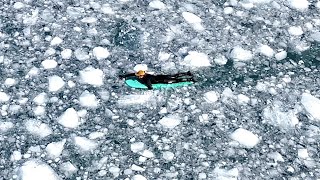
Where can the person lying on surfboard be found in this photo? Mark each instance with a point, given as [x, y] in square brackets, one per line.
[149, 79]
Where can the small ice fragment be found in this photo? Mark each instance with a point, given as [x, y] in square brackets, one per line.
[10, 82]
[281, 55]
[170, 121]
[274, 116]
[56, 41]
[240, 54]
[138, 177]
[91, 76]
[39, 110]
[115, 171]
[55, 149]
[300, 5]
[228, 10]
[18, 5]
[318, 4]
[137, 168]
[66, 54]
[316, 36]
[5, 126]
[81, 54]
[96, 135]
[243, 99]
[266, 50]
[16, 156]
[211, 96]
[167, 155]
[163, 56]
[100, 53]
[89, 20]
[295, 30]
[245, 137]
[191, 18]
[37, 128]
[147, 153]
[202, 176]
[303, 153]
[40, 99]
[196, 59]
[311, 105]
[49, 64]
[106, 9]
[137, 146]
[69, 119]
[156, 4]
[84, 143]
[4, 97]
[88, 99]
[68, 168]
[223, 174]
[37, 170]
[55, 83]
[220, 60]
[133, 99]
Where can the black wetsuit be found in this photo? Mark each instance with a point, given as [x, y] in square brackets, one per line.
[149, 79]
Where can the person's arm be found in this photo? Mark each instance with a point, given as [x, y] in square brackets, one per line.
[149, 85]
[126, 75]
[146, 81]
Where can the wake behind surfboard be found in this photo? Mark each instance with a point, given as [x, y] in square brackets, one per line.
[136, 84]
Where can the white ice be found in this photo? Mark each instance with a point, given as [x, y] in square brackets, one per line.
[84, 143]
[224, 174]
[88, 100]
[170, 121]
[220, 60]
[66, 54]
[240, 54]
[37, 128]
[39, 110]
[303, 153]
[211, 96]
[100, 53]
[81, 54]
[245, 137]
[55, 149]
[318, 4]
[281, 55]
[15, 156]
[91, 76]
[37, 170]
[137, 168]
[137, 147]
[49, 64]
[96, 135]
[4, 97]
[134, 99]
[274, 116]
[196, 59]
[193, 20]
[311, 105]
[156, 4]
[55, 83]
[89, 20]
[147, 153]
[228, 10]
[5, 126]
[18, 5]
[243, 99]
[295, 30]
[56, 41]
[115, 171]
[10, 82]
[316, 35]
[106, 9]
[266, 50]
[138, 177]
[168, 155]
[68, 168]
[40, 99]
[300, 5]
[69, 119]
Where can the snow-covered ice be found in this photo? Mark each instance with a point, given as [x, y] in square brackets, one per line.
[5, 126]
[295, 30]
[156, 4]
[196, 59]
[170, 121]
[88, 99]
[137, 146]
[168, 155]
[140, 67]
[49, 64]
[40, 99]
[100, 53]
[230, 174]
[66, 54]
[280, 55]
[138, 177]
[55, 83]
[37, 128]
[68, 168]
[211, 96]
[10, 82]
[300, 5]
[69, 118]
[266, 50]
[55, 149]
[220, 59]
[303, 153]
[92, 76]
[4, 97]
[37, 170]
[56, 41]
[245, 137]
[193, 20]
[137, 168]
[134, 99]
[84, 143]
[311, 105]
[240, 54]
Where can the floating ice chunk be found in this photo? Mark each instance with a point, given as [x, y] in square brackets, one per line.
[5, 126]
[55, 149]
[134, 99]
[37, 128]
[100, 53]
[84, 143]
[295, 30]
[274, 116]
[142, 67]
[163, 56]
[167, 155]
[137, 147]
[115, 171]
[156, 4]
[37, 170]
[69, 119]
[225, 174]
[138, 177]
[228, 10]
[220, 59]
[196, 59]
[303, 153]
[89, 100]
[137, 168]
[276, 156]
[106, 9]
[170, 121]
[89, 20]
[243, 99]
[245, 137]
[55, 83]
[18, 5]
[49, 64]
[318, 4]
[191, 18]
[15, 156]
[66, 54]
[147, 153]
[40, 99]
[68, 168]
[91, 76]
[300, 5]
[96, 135]
[56, 41]
[311, 105]
[9, 82]
[81, 54]
[202, 176]
[4, 97]
[39, 111]
[281, 55]
[266, 50]
[240, 54]
[211, 96]
[316, 36]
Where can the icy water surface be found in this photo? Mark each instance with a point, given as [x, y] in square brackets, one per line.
[253, 114]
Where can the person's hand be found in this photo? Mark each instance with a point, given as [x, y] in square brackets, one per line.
[121, 76]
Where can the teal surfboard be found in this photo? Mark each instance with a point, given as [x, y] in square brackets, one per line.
[136, 84]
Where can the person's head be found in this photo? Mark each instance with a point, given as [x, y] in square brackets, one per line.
[140, 73]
